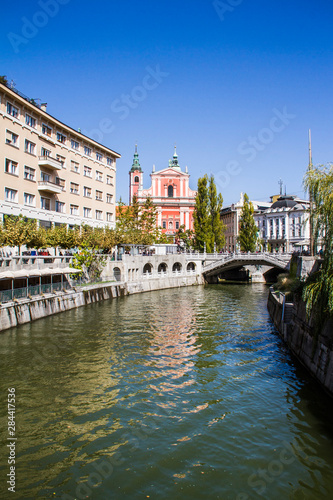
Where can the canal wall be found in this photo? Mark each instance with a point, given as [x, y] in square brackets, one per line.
[25, 310]
[313, 351]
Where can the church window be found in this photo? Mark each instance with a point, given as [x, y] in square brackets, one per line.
[136, 179]
[170, 191]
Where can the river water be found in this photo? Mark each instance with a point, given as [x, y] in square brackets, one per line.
[178, 394]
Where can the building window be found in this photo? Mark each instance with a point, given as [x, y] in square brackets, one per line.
[29, 199]
[74, 188]
[12, 110]
[61, 138]
[109, 179]
[45, 203]
[29, 147]
[99, 215]
[75, 167]
[11, 195]
[12, 139]
[177, 225]
[99, 176]
[45, 152]
[87, 212]
[99, 195]
[164, 224]
[74, 209]
[75, 145]
[61, 159]
[99, 157]
[170, 191]
[60, 207]
[109, 161]
[29, 120]
[44, 177]
[29, 173]
[109, 198]
[87, 151]
[136, 179]
[109, 217]
[11, 167]
[46, 130]
[87, 192]
[170, 225]
[87, 171]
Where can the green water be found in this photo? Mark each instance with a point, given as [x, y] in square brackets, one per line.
[177, 394]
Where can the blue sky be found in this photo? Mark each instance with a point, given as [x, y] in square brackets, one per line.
[236, 84]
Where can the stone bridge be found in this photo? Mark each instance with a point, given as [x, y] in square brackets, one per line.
[227, 262]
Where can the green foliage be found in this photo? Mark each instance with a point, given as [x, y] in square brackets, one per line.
[248, 231]
[185, 237]
[208, 227]
[18, 230]
[3, 80]
[318, 289]
[89, 261]
[136, 224]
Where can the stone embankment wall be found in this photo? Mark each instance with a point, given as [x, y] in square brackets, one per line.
[313, 351]
[25, 310]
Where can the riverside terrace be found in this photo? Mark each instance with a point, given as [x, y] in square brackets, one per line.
[24, 276]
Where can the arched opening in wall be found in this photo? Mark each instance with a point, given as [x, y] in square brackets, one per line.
[190, 266]
[170, 191]
[170, 224]
[177, 266]
[136, 179]
[162, 268]
[147, 269]
[117, 273]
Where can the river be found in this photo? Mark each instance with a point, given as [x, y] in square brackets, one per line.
[186, 393]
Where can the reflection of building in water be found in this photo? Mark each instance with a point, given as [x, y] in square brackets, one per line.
[174, 343]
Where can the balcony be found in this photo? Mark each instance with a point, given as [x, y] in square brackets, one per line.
[49, 162]
[49, 187]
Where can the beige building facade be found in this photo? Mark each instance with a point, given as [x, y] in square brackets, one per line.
[49, 171]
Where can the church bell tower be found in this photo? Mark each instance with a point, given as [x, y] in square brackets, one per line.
[136, 177]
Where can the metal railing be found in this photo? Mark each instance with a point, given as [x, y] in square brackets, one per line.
[32, 291]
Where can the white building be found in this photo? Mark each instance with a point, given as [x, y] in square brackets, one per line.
[284, 226]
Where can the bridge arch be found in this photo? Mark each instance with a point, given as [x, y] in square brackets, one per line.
[190, 266]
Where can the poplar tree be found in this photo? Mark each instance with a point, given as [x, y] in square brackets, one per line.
[208, 226]
[217, 226]
[247, 228]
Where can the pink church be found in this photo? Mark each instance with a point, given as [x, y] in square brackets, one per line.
[169, 191]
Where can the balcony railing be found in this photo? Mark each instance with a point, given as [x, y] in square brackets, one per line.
[50, 187]
[48, 161]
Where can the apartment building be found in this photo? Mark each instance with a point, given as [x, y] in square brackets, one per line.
[49, 171]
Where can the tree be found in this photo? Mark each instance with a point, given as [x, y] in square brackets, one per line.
[185, 236]
[215, 207]
[318, 289]
[247, 228]
[208, 227]
[18, 231]
[136, 224]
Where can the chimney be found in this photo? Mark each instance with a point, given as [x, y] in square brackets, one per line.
[43, 106]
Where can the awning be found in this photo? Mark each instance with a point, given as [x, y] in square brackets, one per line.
[6, 275]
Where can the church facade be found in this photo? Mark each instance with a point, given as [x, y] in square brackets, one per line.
[169, 192]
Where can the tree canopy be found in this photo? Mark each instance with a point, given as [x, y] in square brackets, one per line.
[208, 227]
[248, 231]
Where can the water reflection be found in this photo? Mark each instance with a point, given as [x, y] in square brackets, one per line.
[183, 393]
